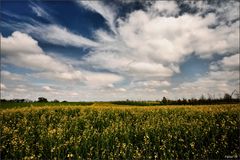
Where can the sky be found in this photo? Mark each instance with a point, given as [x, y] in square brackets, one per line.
[117, 50]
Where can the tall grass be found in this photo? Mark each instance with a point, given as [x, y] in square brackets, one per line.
[126, 133]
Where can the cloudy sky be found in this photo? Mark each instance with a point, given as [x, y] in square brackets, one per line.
[117, 50]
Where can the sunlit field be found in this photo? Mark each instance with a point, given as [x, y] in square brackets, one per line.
[108, 131]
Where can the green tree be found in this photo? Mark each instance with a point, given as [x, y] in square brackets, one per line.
[227, 96]
[164, 100]
[42, 99]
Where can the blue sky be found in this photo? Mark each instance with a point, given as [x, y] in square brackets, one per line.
[117, 50]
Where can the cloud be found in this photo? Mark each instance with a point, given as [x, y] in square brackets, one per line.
[74, 94]
[149, 69]
[74, 75]
[105, 11]
[227, 12]
[228, 63]
[121, 90]
[59, 35]
[40, 11]
[67, 90]
[8, 76]
[165, 91]
[20, 90]
[47, 88]
[83, 77]
[168, 8]
[223, 77]
[9, 23]
[147, 37]
[154, 45]
[19, 42]
[208, 84]
[21, 50]
[231, 62]
[110, 60]
[3, 87]
[151, 84]
[143, 55]
[52, 33]
[94, 79]
[225, 73]
[170, 39]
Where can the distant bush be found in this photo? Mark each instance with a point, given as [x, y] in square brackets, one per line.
[42, 99]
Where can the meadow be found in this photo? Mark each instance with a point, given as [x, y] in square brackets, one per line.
[111, 131]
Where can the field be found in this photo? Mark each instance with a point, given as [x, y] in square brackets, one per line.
[108, 131]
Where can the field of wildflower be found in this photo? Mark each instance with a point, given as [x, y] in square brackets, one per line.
[108, 131]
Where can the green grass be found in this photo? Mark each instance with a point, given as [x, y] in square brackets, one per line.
[106, 131]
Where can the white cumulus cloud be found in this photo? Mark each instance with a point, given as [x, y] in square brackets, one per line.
[22, 50]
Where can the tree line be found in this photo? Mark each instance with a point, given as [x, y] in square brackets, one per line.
[40, 99]
[227, 98]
